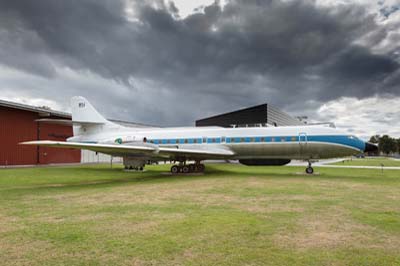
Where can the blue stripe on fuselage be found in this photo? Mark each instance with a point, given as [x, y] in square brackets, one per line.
[332, 139]
[343, 140]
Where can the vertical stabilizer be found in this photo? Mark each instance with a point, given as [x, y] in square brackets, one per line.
[84, 112]
[86, 119]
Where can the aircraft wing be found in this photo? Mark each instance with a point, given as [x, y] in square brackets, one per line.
[126, 150]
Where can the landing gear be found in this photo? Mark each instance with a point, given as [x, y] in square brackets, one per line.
[309, 169]
[188, 168]
[175, 169]
[185, 169]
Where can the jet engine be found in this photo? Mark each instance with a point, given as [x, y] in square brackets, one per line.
[260, 162]
[134, 163]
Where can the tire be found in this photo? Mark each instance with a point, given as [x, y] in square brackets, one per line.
[174, 169]
[185, 169]
[309, 170]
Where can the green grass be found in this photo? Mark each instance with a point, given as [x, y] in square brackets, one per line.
[232, 215]
[369, 162]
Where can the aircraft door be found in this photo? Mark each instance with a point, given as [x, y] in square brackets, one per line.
[303, 145]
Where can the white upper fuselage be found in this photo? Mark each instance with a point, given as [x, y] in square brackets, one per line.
[297, 142]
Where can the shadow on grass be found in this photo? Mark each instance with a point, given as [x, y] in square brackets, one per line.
[101, 177]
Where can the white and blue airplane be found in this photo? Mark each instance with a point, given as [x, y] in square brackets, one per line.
[251, 146]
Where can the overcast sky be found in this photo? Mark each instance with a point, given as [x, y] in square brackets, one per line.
[172, 62]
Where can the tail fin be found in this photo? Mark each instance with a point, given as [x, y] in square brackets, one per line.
[87, 120]
[84, 112]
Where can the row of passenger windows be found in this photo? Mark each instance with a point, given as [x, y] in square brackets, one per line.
[223, 139]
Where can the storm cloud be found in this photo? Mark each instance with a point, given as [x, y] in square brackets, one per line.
[297, 55]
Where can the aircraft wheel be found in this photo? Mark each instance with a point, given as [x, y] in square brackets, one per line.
[309, 170]
[185, 169]
[174, 169]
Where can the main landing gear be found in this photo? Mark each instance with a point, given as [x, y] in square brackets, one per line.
[188, 168]
[136, 168]
[309, 169]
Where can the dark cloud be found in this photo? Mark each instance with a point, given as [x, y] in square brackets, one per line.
[295, 54]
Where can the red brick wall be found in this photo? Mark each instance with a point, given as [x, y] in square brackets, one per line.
[17, 126]
[57, 155]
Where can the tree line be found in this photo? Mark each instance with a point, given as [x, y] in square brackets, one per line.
[386, 144]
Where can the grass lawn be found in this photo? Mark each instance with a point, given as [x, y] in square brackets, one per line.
[232, 215]
[369, 162]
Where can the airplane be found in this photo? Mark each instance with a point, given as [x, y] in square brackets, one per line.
[251, 146]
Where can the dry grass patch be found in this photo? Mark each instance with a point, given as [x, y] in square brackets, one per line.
[335, 229]
[18, 251]
[8, 224]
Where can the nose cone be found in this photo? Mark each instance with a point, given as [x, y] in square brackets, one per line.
[370, 147]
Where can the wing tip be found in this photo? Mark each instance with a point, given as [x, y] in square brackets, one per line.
[37, 142]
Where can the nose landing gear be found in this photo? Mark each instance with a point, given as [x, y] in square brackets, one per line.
[309, 169]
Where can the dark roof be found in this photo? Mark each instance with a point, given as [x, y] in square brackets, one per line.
[252, 108]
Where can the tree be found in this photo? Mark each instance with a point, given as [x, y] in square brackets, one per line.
[375, 139]
[387, 144]
[398, 145]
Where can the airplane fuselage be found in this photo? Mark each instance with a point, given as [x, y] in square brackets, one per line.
[300, 142]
